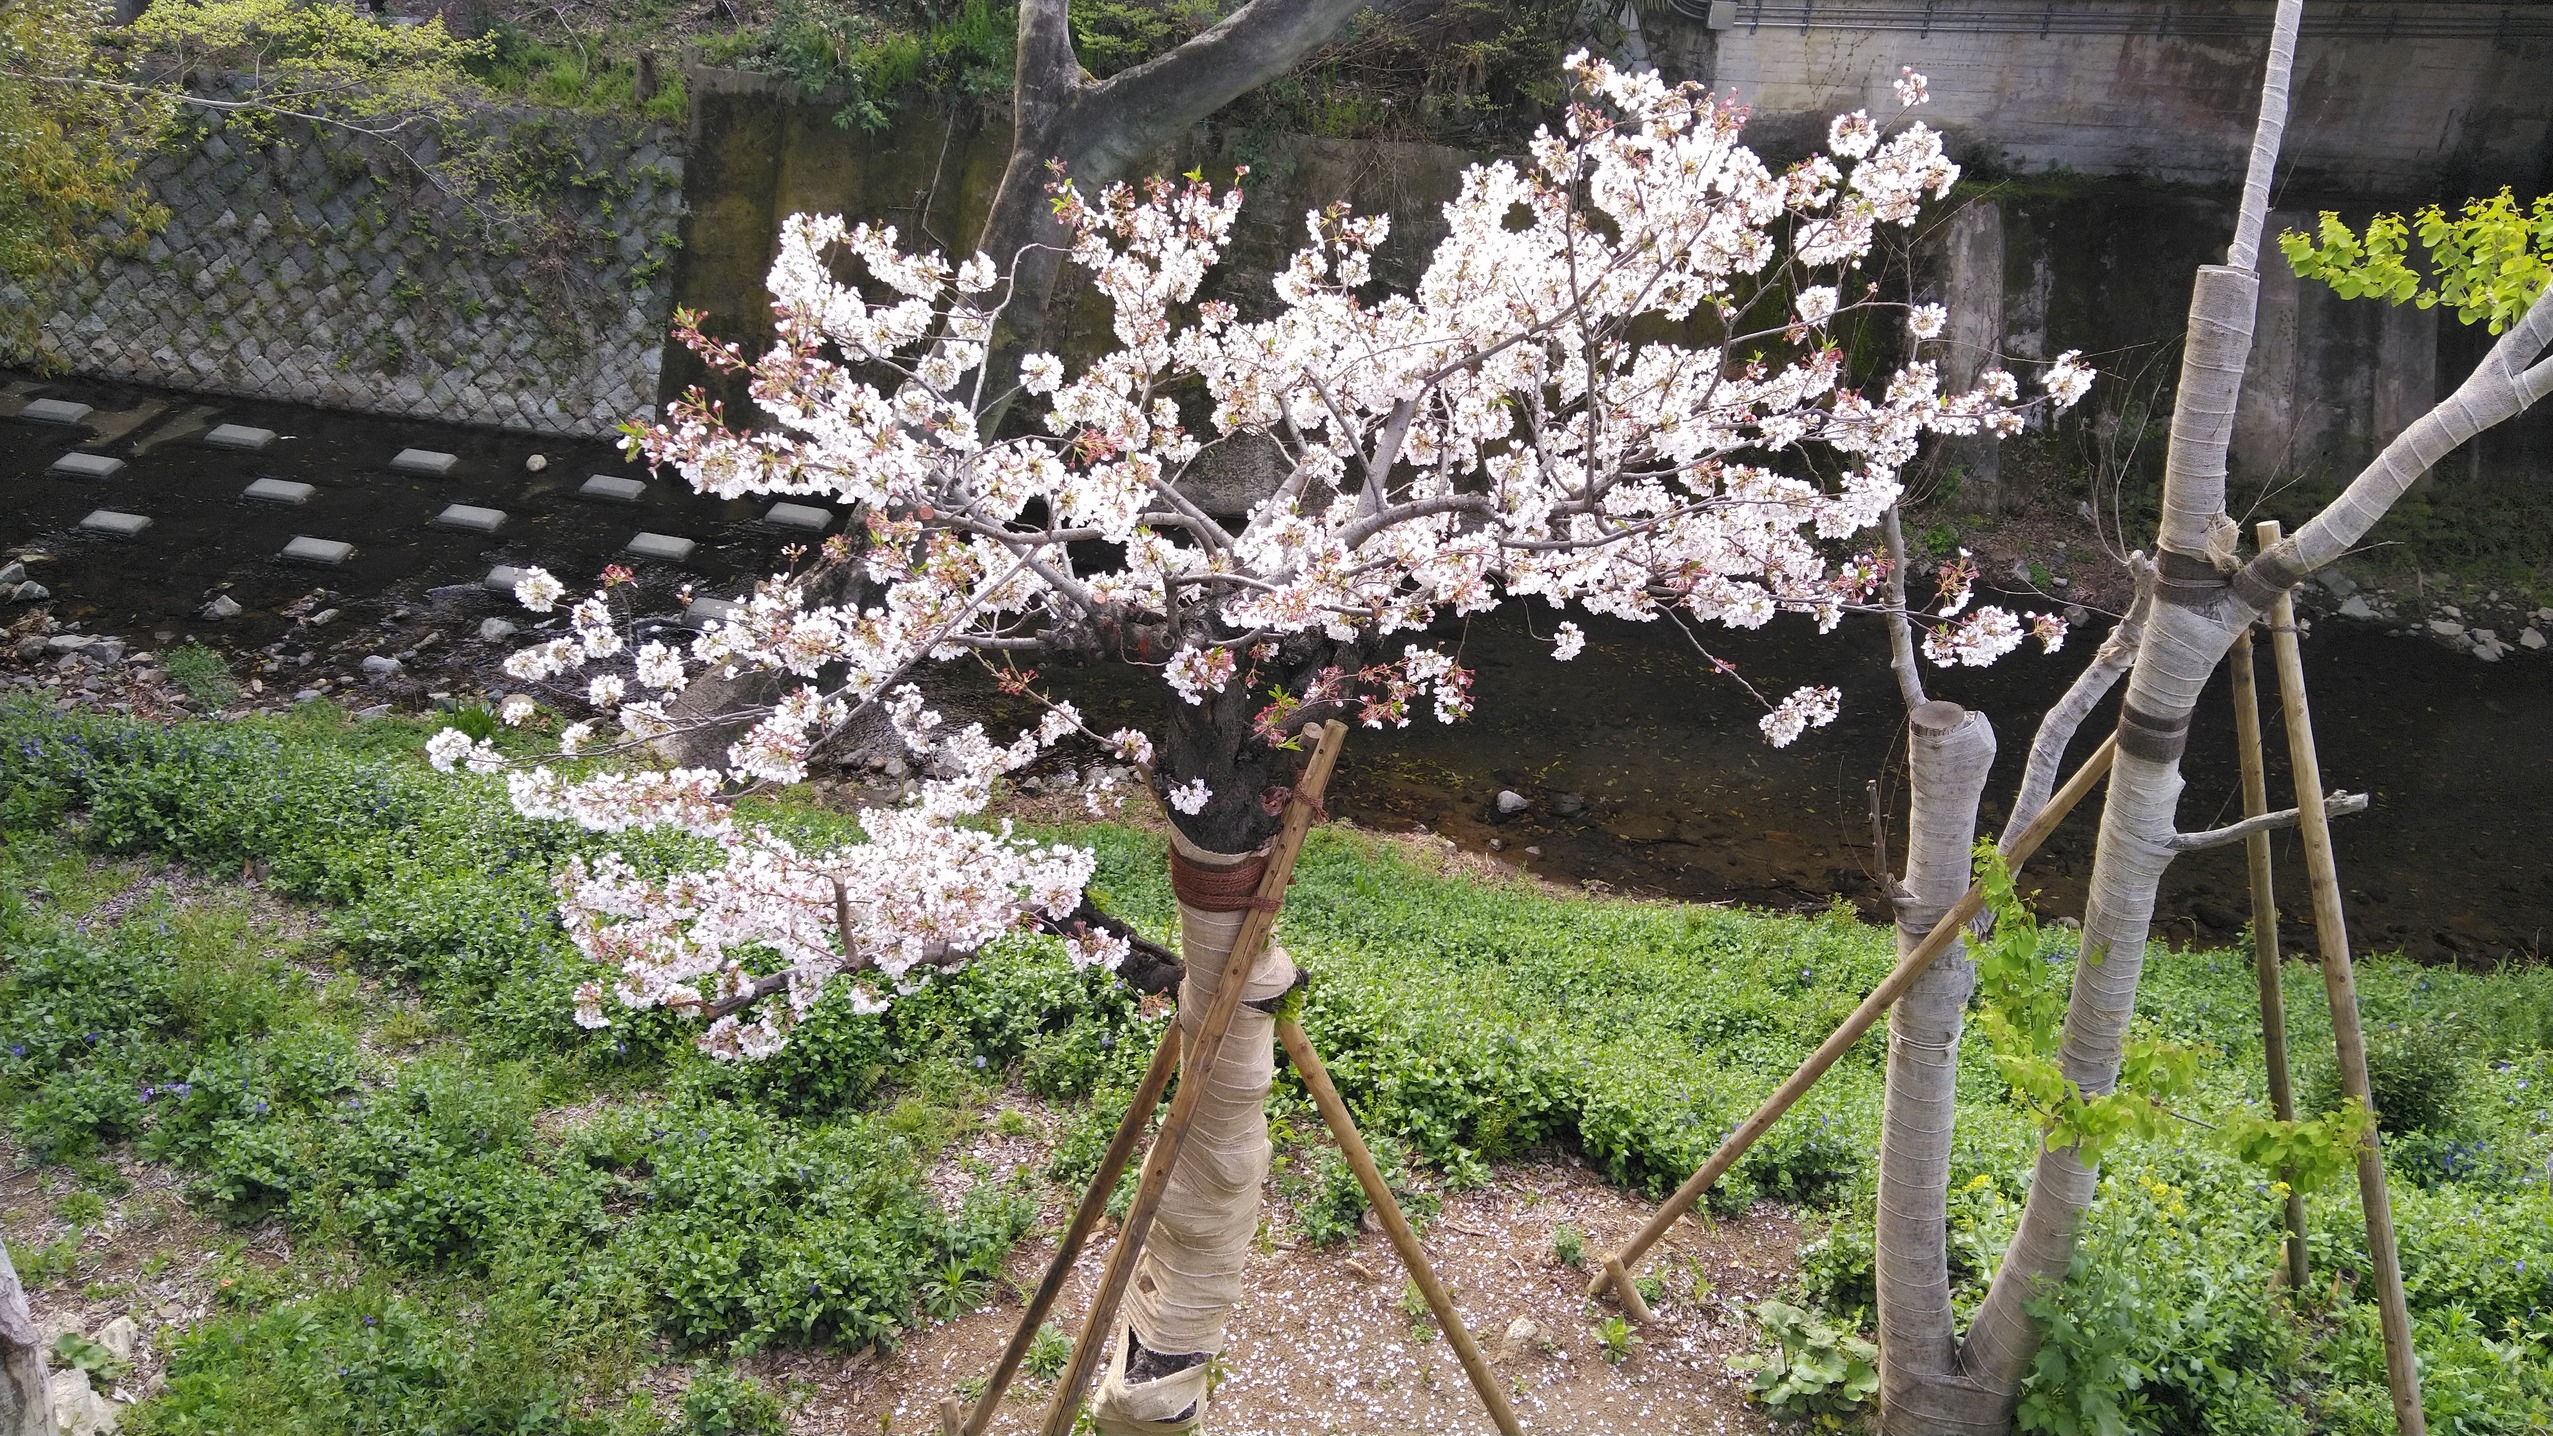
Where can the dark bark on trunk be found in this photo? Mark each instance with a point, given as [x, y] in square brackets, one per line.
[1100, 129]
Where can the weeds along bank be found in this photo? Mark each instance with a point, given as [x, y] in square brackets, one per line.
[500, 1220]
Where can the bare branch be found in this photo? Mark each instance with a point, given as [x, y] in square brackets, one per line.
[2335, 805]
[1901, 632]
[1140, 108]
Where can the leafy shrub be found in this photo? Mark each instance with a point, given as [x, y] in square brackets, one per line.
[2415, 1072]
[757, 1229]
[722, 1402]
[1568, 1245]
[2474, 1381]
[2160, 1324]
[1048, 1353]
[1330, 1207]
[365, 1360]
[201, 675]
[1812, 1369]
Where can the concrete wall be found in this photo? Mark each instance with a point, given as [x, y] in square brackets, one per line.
[312, 266]
[2390, 100]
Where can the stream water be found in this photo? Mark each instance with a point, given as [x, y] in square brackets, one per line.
[1642, 769]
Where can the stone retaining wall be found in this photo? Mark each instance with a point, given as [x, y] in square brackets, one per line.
[318, 265]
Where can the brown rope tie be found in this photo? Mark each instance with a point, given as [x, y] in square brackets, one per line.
[1232, 889]
[1273, 802]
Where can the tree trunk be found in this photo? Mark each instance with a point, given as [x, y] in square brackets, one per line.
[1099, 129]
[26, 1393]
[2204, 597]
[1948, 753]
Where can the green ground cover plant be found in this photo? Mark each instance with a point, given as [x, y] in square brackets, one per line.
[392, 1073]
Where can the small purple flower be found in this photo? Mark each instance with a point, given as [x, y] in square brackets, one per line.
[17, 1049]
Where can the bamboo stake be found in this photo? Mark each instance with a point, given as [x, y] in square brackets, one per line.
[2265, 959]
[2402, 1372]
[1325, 1095]
[1094, 1205]
[1891, 987]
[1208, 1045]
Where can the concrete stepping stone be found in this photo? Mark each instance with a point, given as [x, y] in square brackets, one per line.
[424, 461]
[325, 552]
[665, 548]
[712, 610]
[502, 578]
[610, 489]
[113, 524]
[240, 436]
[76, 465]
[56, 411]
[804, 517]
[470, 518]
[278, 491]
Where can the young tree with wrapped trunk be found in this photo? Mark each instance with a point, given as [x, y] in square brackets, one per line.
[2194, 599]
[1496, 432]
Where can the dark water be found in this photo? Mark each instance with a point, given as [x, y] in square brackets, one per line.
[1681, 796]
[204, 535]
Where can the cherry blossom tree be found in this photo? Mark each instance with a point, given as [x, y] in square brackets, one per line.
[1615, 388]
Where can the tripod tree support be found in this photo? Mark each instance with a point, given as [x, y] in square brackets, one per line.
[1098, 1328]
[1616, 1268]
[2273, 999]
[1316, 1079]
[1086, 1217]
[2402, 1373]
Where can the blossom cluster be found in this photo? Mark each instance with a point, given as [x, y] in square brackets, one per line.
[1514, 425]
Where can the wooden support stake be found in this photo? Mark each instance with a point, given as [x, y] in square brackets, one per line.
[2402, 1372]
[1086, 1218]
[1097, 1328]
[1316, 1079]
[1628, 1291]
[1891, 987]
[2273, 999]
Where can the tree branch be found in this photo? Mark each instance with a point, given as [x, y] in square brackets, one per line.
[1901, 633]
[2116, 657]
[2334, 806]
[1138, 110]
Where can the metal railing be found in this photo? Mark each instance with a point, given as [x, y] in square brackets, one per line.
[2526, 19]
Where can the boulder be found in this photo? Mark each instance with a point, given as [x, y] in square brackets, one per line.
[2530, 637]
[1511, 803]
[1525, 1334]
[496, 630]
[2357, 607]
[11, 573]
[380, 667]
[78, 1409]
[223, 606]
[119, 1338]
[31, 592]
[2446, 628]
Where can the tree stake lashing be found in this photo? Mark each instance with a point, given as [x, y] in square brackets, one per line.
[1913, 966]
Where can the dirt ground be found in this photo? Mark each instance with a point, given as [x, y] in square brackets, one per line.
[1323, 1344]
